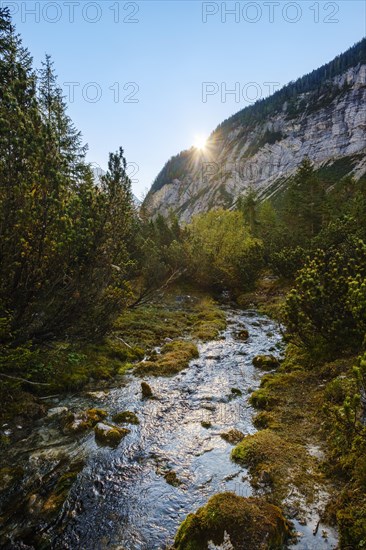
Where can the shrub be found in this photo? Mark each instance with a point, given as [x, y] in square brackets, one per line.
[326, 309]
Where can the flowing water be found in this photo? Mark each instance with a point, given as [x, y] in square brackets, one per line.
[121, 499]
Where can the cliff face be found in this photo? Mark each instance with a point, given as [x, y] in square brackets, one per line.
[327, 124]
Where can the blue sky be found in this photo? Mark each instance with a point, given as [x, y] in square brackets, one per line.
[138, 69]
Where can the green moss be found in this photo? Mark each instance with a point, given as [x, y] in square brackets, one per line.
[249, 522]
[209, 321]
[174, 357]
[148, 326]
[60, 492]
[146, 390]
[266, 362]
[337, 390]
[107, 434]
[260, 399]
[126, 417]
[125, 368]
[95, 415]
[72, 366]
[351, 522]
[269, 458]
[233, 436]
[208, 330]
[265, 419]
[172, 478]
[85, 420]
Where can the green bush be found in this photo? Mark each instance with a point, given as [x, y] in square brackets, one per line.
[288, 261]
[326, 309]
[222, 252]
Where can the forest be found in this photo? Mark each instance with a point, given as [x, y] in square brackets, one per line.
[78, 261]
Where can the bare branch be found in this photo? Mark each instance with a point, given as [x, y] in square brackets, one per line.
[24, 380]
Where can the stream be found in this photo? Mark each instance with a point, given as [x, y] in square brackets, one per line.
[121, 499]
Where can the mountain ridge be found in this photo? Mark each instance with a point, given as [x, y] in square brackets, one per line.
[321, 115]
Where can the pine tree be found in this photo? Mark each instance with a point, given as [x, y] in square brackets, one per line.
[20, 128]
[60, 128]
[248, 205]
[304, 203]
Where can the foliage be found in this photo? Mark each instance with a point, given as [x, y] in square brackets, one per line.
[65, 242]
[326, 306]
[160, 256]
[288, 261]
[222, 252]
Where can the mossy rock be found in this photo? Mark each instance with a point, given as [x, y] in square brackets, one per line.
[235, 392]
[233, 436]
[60, 492]
[174, 357]
[107, 434]
[249, 522]
[127, 417]
[260, 399]
[172, 478]
[269, 457]
[266, 362]
[96, 415]
[85, 420]
[146, 390]
[206, 424]
[242, 334]
[264, 419]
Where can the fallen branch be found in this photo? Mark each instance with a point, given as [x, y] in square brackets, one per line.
[24, 380]
[123, 342]
[149, 293]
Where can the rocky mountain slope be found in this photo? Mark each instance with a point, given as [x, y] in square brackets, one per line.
[322, 115]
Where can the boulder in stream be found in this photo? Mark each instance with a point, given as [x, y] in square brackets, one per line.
[84, 420]
[172, 478]
[57, 412]
[146, 390]
[233, 436]
[267, 362]
[127, 417]
[242, 334]
[108, 434]
[249, 522]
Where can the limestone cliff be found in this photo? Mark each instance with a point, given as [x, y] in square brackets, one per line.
[319, 116]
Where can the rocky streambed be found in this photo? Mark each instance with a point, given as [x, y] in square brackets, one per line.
[135, 494]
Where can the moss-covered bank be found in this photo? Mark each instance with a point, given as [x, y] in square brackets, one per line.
[312, 432]
[249, 522]
[174, 323]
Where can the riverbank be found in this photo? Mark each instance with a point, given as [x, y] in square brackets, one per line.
[289, 458]
[73, 366]
[175, 453]
[307, 411]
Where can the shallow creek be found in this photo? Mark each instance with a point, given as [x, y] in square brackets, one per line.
[120, 499]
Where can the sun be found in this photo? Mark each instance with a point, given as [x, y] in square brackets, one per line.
[200, 142]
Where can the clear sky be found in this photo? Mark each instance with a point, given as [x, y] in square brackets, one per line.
[136, 73]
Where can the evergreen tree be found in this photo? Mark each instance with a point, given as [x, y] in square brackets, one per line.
[248, 205]
[20, 130]
[61, 131]
[304, 200]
